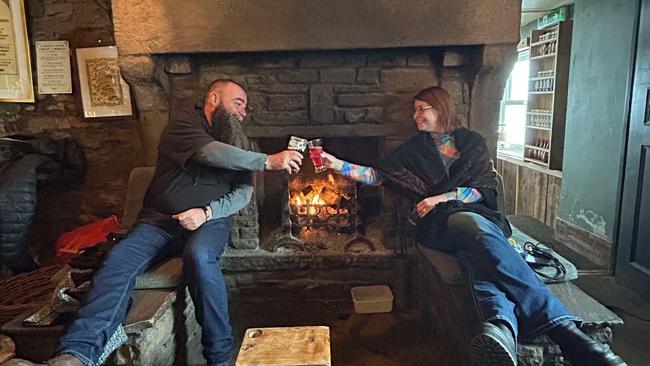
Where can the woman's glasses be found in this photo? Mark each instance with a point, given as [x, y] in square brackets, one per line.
[422, 108]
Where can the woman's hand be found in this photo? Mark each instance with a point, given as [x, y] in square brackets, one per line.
[331, 161]
[426, 205]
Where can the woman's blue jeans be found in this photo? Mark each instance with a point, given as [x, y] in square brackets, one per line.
[503, 285]
[108, 299]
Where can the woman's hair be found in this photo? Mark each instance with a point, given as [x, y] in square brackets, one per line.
[439, 99]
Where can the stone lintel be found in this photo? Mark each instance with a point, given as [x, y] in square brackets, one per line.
[170, 26]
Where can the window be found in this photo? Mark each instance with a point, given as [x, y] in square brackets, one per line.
[512, 118]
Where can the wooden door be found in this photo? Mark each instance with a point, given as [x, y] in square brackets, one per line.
[633, 252]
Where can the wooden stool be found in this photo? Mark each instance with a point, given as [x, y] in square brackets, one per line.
[293, 346]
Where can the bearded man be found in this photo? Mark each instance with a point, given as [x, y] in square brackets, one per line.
[199, 182]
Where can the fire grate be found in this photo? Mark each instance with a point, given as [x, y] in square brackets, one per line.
[319, 209]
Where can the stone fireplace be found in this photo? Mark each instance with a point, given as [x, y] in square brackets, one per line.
[341, 71]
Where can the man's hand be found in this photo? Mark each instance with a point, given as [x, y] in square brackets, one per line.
[332, 162]
[288, 160]
[426, 205]
[191, 219]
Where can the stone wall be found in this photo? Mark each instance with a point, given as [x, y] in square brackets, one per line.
[368, 89]
[112, 147]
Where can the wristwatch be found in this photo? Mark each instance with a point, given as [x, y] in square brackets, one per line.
[207, 210]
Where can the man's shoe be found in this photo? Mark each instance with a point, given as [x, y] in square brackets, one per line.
[494, 345]
[579, 349]
[60, 360]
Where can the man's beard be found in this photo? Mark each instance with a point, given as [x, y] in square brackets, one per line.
[226, 127]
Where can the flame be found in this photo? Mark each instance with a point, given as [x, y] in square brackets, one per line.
[316, 200]
[316, 197]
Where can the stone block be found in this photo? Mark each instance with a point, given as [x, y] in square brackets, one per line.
[453, 58]
[531, 355]
[321, 60]
[137, 68]
[56, 107]
[282, 118]
[399, 107]
[321, 104]
[355, 59]
[501, 56]
[90, 15]
[458, 90]
[368, 76]
[178, 65]
[276, 61]
[246, 220]
[357, 89]
[370, 114]
[260, 79]
[208, 77]
[35, 9]
[279, 88]
[56, 8]
[209, 67]
[297, 76]
[386, 59]
[258, 101]
[287, 102]
[248, 232]
[246, 244]
[339, 76]
[149, 97]
[360, 100]
[424, 59]
[152, 123]
[408, 80]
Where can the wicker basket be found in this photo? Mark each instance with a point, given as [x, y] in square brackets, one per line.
[25, 291]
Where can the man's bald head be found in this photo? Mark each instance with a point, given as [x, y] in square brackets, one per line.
[219, 85]
[227, 94]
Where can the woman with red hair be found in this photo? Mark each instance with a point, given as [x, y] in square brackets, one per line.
[447, 171]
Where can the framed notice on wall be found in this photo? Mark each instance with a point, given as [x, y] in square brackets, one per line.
[103, 92]
[53, 67]
[15, 64]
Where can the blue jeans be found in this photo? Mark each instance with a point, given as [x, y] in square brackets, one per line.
[108, 299]
[503, 285]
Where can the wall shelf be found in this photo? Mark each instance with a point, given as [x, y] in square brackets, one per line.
[546, 109]
[539, 128]
[542, 42]
[542, 56]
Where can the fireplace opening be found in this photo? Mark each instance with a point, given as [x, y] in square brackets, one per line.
[322, 211]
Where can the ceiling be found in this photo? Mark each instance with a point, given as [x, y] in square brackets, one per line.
[533, 9]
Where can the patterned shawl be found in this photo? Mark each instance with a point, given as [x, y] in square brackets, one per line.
[416, 171]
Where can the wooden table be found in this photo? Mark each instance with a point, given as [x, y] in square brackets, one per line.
[291, 346]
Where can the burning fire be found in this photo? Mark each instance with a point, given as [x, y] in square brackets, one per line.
[320, 197]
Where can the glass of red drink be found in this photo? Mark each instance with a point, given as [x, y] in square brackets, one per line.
[315, 151]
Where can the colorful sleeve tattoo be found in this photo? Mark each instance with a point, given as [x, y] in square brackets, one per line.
[465, 195]
[360, 173]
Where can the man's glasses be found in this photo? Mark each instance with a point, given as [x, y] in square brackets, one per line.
[422, 108]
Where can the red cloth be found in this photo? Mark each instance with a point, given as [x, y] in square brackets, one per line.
[72, 242]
